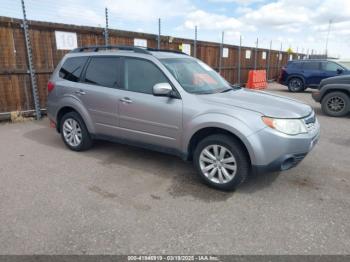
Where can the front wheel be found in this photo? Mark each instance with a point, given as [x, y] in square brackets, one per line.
[221, 162]
[295, 84]
[336, 104]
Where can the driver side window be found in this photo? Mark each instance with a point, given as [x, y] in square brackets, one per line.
[141, 75]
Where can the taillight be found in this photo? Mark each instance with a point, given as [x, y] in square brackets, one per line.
[50, 86]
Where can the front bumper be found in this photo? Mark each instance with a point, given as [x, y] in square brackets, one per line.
[316, 96]
[276, 152]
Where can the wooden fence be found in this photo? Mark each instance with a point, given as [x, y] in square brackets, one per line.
[15, 86]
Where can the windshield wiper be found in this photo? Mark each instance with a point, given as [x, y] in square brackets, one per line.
[226, 90]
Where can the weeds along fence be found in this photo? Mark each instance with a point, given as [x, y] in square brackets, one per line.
[15, 81]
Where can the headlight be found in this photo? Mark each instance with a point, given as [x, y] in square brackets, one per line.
[287, 126]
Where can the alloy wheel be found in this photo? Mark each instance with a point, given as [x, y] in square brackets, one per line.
[72, 132]
[218, 164]
[336, 104]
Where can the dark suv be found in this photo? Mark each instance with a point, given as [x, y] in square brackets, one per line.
[301, 74]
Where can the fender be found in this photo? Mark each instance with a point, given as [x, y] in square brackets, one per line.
[73, 102]
[222, 121]
[298, 76]
[334, 87]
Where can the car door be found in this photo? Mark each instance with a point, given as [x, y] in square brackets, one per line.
[145, 118]
[312, 73]
[98, 92]
[331, 69]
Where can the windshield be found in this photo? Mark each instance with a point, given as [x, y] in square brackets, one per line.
[345, 64]
[195, 76]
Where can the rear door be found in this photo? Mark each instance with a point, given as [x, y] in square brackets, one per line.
[312, 73]
[98, 92]
[146, 118]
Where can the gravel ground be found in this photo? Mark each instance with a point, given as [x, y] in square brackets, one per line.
[118, 199]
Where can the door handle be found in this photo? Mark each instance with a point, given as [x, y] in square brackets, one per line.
[80, 92]
[126, 100]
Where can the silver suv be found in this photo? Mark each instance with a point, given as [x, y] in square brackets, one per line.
[173, 103]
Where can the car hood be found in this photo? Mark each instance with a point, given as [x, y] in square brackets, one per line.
[343, 79]
[264, 103]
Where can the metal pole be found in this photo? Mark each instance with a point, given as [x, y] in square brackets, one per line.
[329, 30]
[239, 60]
[221, 51]
[297, 52]
[30, 64]
[256, 53]
[278, 60]
[106, 28]
[159, 28]
[268, 61]
[195, 42]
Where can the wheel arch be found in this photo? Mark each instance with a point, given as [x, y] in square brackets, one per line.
[204, 132]
[302, 78]
[69, 107]
[330, 89]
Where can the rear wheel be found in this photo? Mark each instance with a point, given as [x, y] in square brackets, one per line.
[221, 162]
[295, 84]
[74, 132]
[336, 104]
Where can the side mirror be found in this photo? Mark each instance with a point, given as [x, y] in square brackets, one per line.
[162, 89]
[339, 71]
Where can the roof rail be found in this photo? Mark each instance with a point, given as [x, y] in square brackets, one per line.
[96, 48]
[142, 50]
[165, 50]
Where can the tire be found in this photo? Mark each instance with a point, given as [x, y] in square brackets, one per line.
[295, 84]
[233, 149]
[336, 104]
[79, 128]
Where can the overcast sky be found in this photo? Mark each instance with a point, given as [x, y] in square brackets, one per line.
[301, 24]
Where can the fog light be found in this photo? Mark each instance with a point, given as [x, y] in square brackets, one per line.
[288, 163]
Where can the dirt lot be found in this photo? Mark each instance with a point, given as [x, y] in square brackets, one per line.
[116, 199]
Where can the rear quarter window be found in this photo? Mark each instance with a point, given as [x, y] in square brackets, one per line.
[311, 66]
[295, 65]
[72, 68]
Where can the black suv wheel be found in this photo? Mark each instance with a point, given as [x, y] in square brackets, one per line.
[336, 104]
[221, 162]
[295, 84]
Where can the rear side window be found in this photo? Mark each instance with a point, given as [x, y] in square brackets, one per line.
[103, 71]
[141, 75]
[311, 66]
[72, 68]
[295, 65]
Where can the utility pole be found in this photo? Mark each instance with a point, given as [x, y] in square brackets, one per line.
[329, 30]
[256, 52]
[159, 28]
[268, 61]
[106, 28]
[195, 42]
[221, 51]
[30, 64]
[239, 59]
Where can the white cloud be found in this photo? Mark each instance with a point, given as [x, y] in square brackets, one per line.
[277, 14]
[210, 21]
[140, 10]
[68, 14]
[240, 2]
